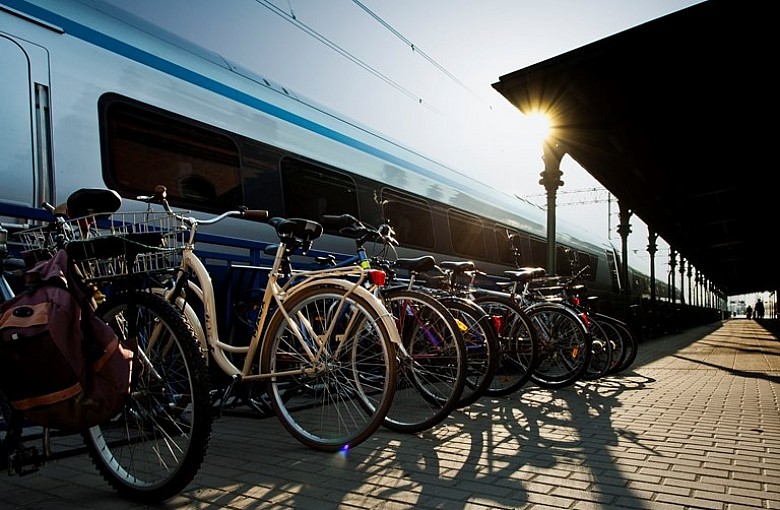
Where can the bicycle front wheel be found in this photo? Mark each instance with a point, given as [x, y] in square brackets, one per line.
[332, 367]
[481, 341]
[627, 341]
[601, 351]
[564, 345]
[154, 447]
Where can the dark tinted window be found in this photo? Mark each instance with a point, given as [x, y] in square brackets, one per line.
[538, 253]
[311, 191]
[146, 147]
[513, 247]
[467, 235]
[410, 218]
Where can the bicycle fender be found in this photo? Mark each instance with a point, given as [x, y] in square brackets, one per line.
[385, 316]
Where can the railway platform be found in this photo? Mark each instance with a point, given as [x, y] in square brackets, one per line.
[695, 423]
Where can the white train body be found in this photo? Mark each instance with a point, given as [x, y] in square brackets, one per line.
[93, 97]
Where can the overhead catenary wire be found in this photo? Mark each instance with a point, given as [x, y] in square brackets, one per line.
[291, 18]
[414, 47]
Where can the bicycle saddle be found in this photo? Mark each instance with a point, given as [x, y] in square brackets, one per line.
[86, 201]
[296, 228]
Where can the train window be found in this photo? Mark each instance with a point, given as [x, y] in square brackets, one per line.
[538, 253]
[411, 219]
[311, 191]
[260, 168]
[565, 260]
[466, 232]
[145, 147]
[585, 259]
[513, 247]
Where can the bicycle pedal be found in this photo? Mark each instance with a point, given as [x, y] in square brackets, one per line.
[24, 461]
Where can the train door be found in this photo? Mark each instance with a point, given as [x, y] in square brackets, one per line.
[25, 149]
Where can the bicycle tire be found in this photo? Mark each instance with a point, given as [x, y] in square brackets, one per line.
[481, 347]
[344, 399]
[432, 372]
[564, 345]
[518, 345]
[630, 344]
[601, 350]
[155, 446]
[618, 347]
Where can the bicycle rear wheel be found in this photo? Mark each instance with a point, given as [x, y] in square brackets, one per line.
[152, 449]
[332, 366]
[518, 350]
[564, 345]
[432, 371]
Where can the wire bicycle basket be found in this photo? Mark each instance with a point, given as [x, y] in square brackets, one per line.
[107, 246]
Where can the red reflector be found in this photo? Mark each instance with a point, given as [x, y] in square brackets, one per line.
[496, 322]
[585, 319]
[376, 276]
[575, 301]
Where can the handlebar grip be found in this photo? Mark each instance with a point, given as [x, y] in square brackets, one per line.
[255, 214]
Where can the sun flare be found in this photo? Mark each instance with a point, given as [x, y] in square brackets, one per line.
[537, 126]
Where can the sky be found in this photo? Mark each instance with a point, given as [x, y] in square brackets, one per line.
[421, 72]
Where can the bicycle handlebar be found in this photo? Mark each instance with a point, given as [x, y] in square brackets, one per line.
[349, 225]
[160, 197]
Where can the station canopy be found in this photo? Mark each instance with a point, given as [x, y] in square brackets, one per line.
[674, 117]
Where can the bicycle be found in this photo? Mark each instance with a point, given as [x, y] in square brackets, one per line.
[606, 344]
[563, 339]
[565, 342]
[432, 354]
[622, 341]
[482, 343]
[154, 447]
[322, 345]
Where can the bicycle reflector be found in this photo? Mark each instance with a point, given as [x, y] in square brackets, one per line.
[376, 277]
[496, 322]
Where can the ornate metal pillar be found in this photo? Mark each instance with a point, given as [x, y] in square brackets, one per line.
[672, 279]
[682, 280]
[690, 273]
[624, 228]
[652, 248]
[551, 180]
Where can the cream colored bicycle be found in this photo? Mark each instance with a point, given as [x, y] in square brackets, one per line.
[322, 345]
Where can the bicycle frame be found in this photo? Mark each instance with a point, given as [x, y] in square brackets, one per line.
[274, 293]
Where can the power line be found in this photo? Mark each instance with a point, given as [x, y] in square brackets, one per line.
[341, 51]
[414, 47]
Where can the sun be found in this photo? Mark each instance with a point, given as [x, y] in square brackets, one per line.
[537, 126]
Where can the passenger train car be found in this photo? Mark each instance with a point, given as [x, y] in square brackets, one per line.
[94, 97]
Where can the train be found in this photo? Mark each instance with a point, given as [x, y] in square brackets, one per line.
[96, 97]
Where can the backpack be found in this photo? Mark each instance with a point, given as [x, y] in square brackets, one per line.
[60, 364]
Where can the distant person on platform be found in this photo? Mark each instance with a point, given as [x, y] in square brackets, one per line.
[759, 311]
[749, 312]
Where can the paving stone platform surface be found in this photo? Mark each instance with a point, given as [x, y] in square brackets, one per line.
[694, 423]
